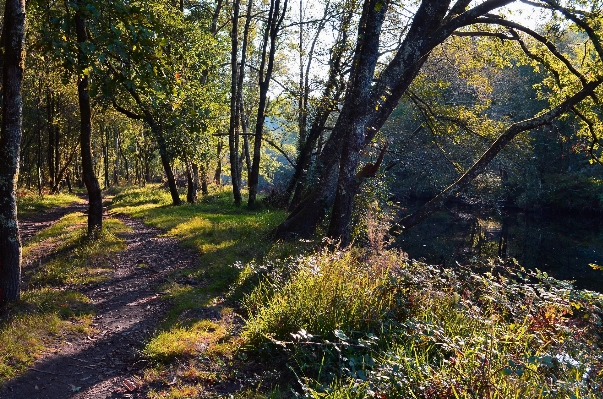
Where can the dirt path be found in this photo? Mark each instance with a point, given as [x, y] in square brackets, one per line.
[128, 310]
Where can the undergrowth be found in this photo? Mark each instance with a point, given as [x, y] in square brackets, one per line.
[357, 324]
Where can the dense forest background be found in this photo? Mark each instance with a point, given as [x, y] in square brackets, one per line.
[166, 101]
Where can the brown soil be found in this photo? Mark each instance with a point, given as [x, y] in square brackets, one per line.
[128, 307]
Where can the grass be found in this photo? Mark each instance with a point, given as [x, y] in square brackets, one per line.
[351, 323]
[56, 260]
[498, 333]
[198, 342]
[29, 203]
[65, 255]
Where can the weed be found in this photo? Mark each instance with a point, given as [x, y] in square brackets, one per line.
[425, 331]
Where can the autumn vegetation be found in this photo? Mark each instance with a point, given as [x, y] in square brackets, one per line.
[288, 144]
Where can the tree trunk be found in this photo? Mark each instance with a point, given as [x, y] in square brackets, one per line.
[165, 161]
[12, 41]
[233, 134]
[192, 177]
[204, 189]
[105, 137]
[95, 201]
[273, 26]
[218, 172]
[433, 22]
[478, 167]
[116, 162]
[50, 125]
[305, 217]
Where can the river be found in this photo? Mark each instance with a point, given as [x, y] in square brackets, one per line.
[563, 246]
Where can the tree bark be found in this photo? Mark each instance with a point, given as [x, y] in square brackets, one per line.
[433, 22]
[95, 201]
[233, 134]
[50, 125]
[332, 92]
[13, 38]
[192, 177]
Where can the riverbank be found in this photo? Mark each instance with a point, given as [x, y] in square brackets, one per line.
[257, 319]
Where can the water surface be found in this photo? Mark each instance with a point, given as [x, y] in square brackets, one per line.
[561, 245]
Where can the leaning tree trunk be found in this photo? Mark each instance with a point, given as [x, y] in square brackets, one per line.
[10, 142]
[305, 218]
[95, 201]
[478, 167]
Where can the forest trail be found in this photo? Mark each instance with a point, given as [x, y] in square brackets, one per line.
[128, 309]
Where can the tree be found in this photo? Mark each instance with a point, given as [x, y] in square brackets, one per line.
[12, 43]
[95, 201]
[276, 14]
[373, 94]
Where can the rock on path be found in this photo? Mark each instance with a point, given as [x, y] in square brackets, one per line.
[128, 310]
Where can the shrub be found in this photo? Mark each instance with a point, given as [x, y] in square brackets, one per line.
[355, 324]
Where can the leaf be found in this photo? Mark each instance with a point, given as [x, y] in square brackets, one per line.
[340, 334]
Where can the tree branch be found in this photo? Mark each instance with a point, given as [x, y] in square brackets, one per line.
[479, 166]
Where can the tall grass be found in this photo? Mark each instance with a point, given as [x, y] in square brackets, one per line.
[356, 324]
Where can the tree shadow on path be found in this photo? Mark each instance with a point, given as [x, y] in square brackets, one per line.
[128, 310]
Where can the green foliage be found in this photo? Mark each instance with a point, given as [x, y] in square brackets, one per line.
[326, 292]
[573, 193]
[497, 333]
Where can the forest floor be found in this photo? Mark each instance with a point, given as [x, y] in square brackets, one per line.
[128, 309]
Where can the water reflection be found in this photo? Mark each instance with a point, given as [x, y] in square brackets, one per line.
[562, 246]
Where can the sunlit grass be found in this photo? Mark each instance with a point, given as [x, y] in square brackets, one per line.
[198, 341]
[29, 203]
[63, 254]
[437, 333]
[197, 337]
[221, 232]
[30, 325]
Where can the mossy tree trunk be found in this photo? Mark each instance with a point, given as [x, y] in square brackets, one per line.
[10, 142]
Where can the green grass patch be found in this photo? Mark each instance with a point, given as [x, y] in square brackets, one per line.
[29, 203]
[225, 235]
[39, 318]
[55, 258]
[64, 255]
[323, 294]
